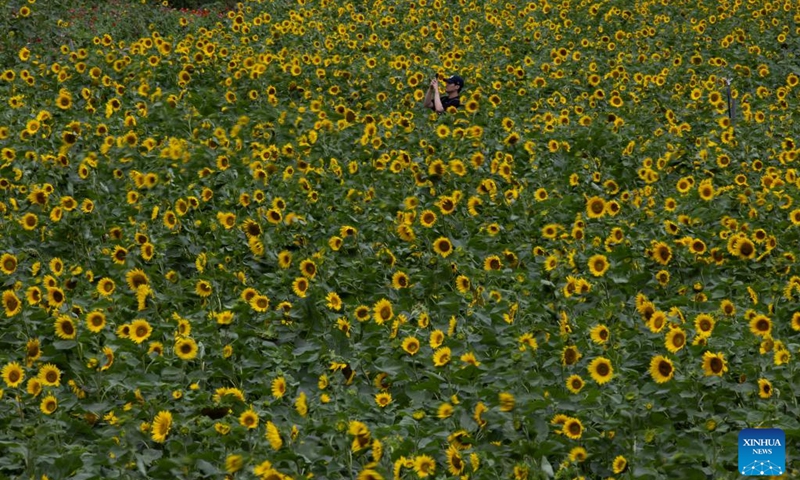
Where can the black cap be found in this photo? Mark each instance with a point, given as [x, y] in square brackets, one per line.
[456, 80]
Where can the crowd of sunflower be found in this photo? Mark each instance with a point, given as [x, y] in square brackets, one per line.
[240, 246]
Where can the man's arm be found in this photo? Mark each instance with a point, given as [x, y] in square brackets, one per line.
[437, 102]
[431, 94]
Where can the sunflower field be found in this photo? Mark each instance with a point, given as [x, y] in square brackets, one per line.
[233, 244]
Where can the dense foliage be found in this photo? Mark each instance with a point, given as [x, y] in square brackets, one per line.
[234, 243]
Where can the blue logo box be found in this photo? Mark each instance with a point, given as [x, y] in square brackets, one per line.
[762, 452]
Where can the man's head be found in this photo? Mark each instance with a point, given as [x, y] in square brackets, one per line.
[457, 81]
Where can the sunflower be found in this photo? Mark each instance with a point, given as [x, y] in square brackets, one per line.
[11, 303]
[135, 278]
[274, 436]
[106, 287]
[424, 466]
[203, 288]
[761, 326]
[728, 308]
[742, 247]
[249, 419]
[575, 383]
[600, 334]
[186, 348]
[300, 286]
[55, 296]
[65, 328]
[462, 284]
[13, 374]
[96, 321]
[33, 351]
[661, 369]
[278, 387]
[284, 259]
[704, 324]
[308, 269]
[661, 253]
[598, 265]
[49, 375]
[382, 311]
[714, 364]
[573, 428]
[455, 464]
[441, 357]
[140, 330]
[570, 355]
[794, 216]
[383, 399]
[619, 465]
[675, 339]
[400, 280]
[411, 345]
[8, 263]
[119, 255]
[492, 262]
[601, 370]
[764, 388]
[595, 207]
[427, 219]
[161, 426]
[49, 405]
[443, 246]
[436, 338]
[259, 303]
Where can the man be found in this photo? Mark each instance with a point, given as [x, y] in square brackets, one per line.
[452, 89]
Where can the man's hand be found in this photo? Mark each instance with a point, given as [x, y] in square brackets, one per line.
[435, 84]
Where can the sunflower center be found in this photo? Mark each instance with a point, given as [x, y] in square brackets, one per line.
[716, 365]
[602, 369]
[665, 369]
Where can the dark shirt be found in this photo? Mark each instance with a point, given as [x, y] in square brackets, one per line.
[447, 102]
